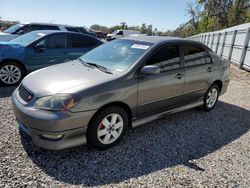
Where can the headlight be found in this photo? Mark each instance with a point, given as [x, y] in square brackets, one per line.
[58, 102]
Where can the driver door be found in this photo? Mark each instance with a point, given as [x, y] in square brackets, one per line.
[48, 51]
[162, 92]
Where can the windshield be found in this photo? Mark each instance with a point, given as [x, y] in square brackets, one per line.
[13, 29]
[118, 55]
[27, 38]
[115, 32]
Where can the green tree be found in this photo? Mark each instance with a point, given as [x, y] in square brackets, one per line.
[123, 25]
[238, 13]
[136, 28]
[99, 27]
[113, 28]
[194, 12]
[143, 28]
[150, 30]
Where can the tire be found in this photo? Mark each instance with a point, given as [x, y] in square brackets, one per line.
[211, 98]
[11, 73]
[102, 133]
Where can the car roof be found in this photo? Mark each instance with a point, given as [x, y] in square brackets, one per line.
[51, 24]
[46, 32]
[158, 39]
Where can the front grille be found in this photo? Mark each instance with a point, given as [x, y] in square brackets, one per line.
[25, 94]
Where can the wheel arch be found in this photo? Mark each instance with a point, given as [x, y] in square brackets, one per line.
[16, 61]
[219, 83]
[119, 104]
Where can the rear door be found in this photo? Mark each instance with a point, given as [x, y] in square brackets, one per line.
[158, 93]
[54, 51]
[80, 44]
[198, 72]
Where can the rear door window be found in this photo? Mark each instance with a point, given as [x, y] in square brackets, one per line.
[195, 55]
[73, 29]
[50, 27]
[81, 41]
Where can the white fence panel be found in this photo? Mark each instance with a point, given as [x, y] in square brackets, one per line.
[231, 43]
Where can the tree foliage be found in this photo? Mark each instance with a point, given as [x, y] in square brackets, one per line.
[144, 29]
[210, 15]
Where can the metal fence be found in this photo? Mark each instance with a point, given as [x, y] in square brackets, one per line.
[231, 43]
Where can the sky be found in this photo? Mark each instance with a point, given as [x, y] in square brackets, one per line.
[163, 14]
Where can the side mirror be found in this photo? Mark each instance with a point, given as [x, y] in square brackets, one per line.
[40, 48]
[151, 70]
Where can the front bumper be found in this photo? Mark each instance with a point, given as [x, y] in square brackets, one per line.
[38, 124]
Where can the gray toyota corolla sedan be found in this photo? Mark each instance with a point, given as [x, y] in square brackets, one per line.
[119, 85]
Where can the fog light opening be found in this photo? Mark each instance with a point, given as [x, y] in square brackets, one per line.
[51, 137]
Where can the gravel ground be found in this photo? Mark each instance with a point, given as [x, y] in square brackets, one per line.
[191, 149]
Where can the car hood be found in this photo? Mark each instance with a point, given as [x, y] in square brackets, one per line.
[7, 36]
[11, 50]
[64, 78]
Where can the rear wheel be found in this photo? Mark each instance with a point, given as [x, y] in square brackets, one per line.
[108, 128]
[11, 73]
[211, 98]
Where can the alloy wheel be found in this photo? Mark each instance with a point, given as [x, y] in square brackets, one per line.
[212, 97]
[10, 74]
[110, 128]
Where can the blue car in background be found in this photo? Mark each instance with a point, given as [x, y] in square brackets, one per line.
[39, 49]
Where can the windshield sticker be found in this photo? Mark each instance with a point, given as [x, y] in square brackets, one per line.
[140, 46]
[41, 34]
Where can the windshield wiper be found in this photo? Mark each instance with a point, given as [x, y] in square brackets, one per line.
[83, 62]
[102, 68]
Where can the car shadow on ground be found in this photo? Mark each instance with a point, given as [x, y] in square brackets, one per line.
[174, 140]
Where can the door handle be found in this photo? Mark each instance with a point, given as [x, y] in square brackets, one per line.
[179, 75]
[209, 69]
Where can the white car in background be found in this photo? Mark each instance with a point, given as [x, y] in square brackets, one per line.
[22, 28]
[121, 33]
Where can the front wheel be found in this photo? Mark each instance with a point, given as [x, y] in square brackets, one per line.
[11, 73]
[108, 128]
[211, 98]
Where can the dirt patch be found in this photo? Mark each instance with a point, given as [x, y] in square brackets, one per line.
[239, 75]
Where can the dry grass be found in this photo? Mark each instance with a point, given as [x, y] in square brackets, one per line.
[239, 75]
